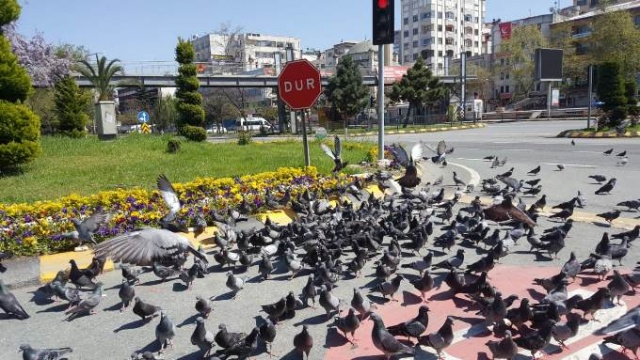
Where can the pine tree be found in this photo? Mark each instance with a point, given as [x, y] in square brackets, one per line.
[346, 91]
[70, 107]
[189, 104]
[610, 90]
[19, 126]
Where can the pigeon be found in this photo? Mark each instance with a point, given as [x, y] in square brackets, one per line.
[441, 339]
[235, 283]
[594, 303]
[563, 331]
[348, 324]
[29, 353]
[618, 286]
[165, 331]
[49, 289]
[130, 274]
[144, 310]
[573, 142]
[387, 287]
[303, 342]
[623, 161]
[424, 284]
[163, 272]
[503, 349]
[309, 292]
[630, 204]
[126, 294]
[145, 246]
[536, 341]
[622, 154]
[599, 178]
[201, 337]
[410, 178]
[226, 339]
[9, 304]
[560, 167]
[265, 267]
[453, 262]
[572, 267]
[606, 188]
[268, 334]
[412, 328]
[630, 320]
[189, 275]
[385, 342]
[203, 306]
[457, 180]
[441, 151]
[170, 197]
[276, 309]
[244, 346]
[628, 339]
[534, 171]
[361, 304]
[609, 216]
[88, 304]
[630, 235]
[607, 152]
[328, 301]
[335, 155]
[84, 229]
[80, 278]
[506, 211]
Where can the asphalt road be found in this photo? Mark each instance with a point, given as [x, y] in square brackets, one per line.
[113, 335]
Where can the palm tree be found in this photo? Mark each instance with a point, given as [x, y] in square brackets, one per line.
[100, 75]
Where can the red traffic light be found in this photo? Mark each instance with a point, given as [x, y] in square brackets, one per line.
[382, 4]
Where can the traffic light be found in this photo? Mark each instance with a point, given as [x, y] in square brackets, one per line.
[383, 22]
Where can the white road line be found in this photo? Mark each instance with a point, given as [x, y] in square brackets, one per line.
[583, 166]
[475, 177]
[472, 159]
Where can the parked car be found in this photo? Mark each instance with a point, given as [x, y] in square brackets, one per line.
[214, 130]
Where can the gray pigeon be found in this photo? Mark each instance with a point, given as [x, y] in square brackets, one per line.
[572, 267]
[628, 339]
[303, 342]
[630, 320]
[234, 283]
[328, 301]
[293, 265]
[361, 303]
[165, 331]
[389, 287]
[202, 338]
[29, 353]
[503, 349]
[348, 325]
[441, 339]
[385, 342]
[309, 292]
[203, 306]
[413, 327]
[163, 272]
[126, 293]
[85, 228]
[88, 304]
[9, 304]
[265, 267]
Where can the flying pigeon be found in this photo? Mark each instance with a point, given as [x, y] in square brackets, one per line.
[84, 229]
[335, 154]
[441, 152]
[410, 178]
[170, 197]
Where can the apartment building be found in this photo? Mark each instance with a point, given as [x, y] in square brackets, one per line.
[440, 29]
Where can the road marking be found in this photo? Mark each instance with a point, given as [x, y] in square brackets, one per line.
[475, 177]
[472, 159]
[573, 165]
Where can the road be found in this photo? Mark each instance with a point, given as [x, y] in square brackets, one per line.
[113, 335]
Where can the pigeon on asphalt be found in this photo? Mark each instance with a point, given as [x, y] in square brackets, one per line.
[572, 267]
[165, 331]
[88, 304]
[9, 304]
[594, 303]
[606, 188]
[598, 178]
[622, 154]
[424, 284]
[385, 342]
[276, 309]
[560, 167]
[268, 334]
[244, 347]
[303, 342]
[265, 267]
[80, 278]
[163, 272]
[412, 328]
[145, 246]
[453, 262]
[29, 353]
[607, 152]
[335, 154]
[309, 292]
[618, 286]
[226, 339]
[203, 306]
[630, 320]
[609, 216]
[388, 287]
[361, 304]
[126, 294]
[457, 181]
[201, 337]
[536, 341]
[189, 275]
[628, 340]
[563, 331]
[441, 339]
[87, 227]
[503, 349]
[534, 171]
[130, 274]
[348, 325]
[235, 283]
[328, 301]
[144, 310]
[630, 204]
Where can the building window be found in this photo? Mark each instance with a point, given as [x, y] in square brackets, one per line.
[407, 58]
[475, 44]
[468, 18]
[415, 31]
[405, 46]
[581, 2]
[450, 41]
[449, 28]
[506, 88]
[440, 28]
[415, 18]
[405, 21]
[439, 53]
[406, 33]
[440, 15]
[415, 43]
[426, 42]
[502, 89]
[426, 15]
[449, 15]
[415, 57]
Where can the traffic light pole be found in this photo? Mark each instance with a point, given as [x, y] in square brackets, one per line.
[305, 141]
[590, 96]
[380, 102]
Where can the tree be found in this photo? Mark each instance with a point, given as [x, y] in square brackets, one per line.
[218, 107]
[631, 91]
[346, 91]
[70, 107]
[165, 113]
[100, 75]
[575, 65]
[19, 126]
[520, 64]
[189, 104]
[611, 91]
[616, 38]
[418, 87]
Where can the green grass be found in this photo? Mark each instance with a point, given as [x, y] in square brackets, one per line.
[87, 166]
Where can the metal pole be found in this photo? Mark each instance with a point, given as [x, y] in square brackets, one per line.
[305, 142]
[549, 101]
[463, 89]
[380, 103]
[590, 96]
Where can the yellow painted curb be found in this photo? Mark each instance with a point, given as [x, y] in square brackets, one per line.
[206, 239]
[51, 264]
[281, 217]
[375, 190]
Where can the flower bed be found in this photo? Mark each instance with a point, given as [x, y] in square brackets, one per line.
[39, 228]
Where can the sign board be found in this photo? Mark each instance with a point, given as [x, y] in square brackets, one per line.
[299, 84]
[143, 117]
[555, 97]
[548, 64]
[145, 128]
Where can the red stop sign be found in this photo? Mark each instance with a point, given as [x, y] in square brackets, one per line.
[299, 84]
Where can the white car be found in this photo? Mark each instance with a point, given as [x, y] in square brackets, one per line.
[216, 130]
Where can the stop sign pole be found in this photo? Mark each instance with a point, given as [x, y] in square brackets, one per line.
[299, 86]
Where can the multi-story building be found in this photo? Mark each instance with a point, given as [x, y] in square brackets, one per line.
[236, 53]
[440, 29]
[588, 5]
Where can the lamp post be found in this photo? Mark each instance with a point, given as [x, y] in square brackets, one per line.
[290, 56]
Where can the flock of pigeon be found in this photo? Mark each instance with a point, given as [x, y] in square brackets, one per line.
[330, 243]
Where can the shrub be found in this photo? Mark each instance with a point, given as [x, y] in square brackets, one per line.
[70, 107]
[15, 84]
[19, 135]
[173, 146]
[194, 133]
[244, 137]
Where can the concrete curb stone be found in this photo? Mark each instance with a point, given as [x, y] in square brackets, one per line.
[594, 135]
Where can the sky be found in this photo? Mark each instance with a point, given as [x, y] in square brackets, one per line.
[147, 30]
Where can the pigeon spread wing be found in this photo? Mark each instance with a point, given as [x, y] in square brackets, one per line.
[327, 150]
[93, 222]
[144, 246]
[442, 147]
[168, 194]
[416, 152]
[337, 144]
[400, 154]
[628, 321]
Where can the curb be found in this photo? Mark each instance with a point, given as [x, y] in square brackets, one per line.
[420, 131]
[598, 135]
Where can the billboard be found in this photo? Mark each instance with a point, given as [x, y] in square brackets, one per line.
[505, 30]
[548, 65]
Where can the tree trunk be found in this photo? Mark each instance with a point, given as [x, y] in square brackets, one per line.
[406, 119]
